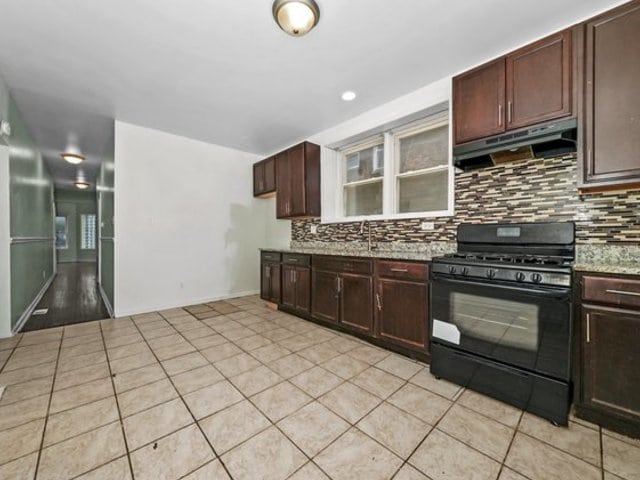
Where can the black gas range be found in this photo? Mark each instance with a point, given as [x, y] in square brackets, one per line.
[501, 314]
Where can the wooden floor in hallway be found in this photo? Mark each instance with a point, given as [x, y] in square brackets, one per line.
[73, 297]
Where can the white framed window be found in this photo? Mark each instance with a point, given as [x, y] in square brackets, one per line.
[405, 172]
[87, 232]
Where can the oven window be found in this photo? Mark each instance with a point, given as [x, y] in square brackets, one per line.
[497, 321]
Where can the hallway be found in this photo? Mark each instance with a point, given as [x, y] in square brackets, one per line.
[73, 297]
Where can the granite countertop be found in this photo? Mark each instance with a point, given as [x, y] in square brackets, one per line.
[621, 268]
[600, 258]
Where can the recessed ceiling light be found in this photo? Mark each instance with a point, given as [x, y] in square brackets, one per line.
[82, 185]
[296, 17]
[348, 96]
[73, 158]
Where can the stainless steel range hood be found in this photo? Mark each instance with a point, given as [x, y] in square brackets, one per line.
[543, 141]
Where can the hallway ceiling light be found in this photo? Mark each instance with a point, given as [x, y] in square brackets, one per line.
[348, 96]
[296, 17]
[82, 185]
[73, 158]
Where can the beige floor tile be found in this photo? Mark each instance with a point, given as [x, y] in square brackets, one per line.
[482, 433]
[290, 365]
[508, 474]
[355, 456]
[80, 394]
[611, 476]
[263, 326]
[196, 379]
[350, 402]
[26, 374]
[22, 468]
[621, 458]
[575, 439]
[172, 312]
[127, 350]
[344, 344]
[344, 366]
[117, 339]
[441, 457]
[85, 418]
[233, 425]
[199, 331]
[255, 380]
[252, 342]
[309, 472]
[90, 337]
[421, 403]
[211, 471]
[172, 456]
[368, 354]
[116, 470]
[223, 324]
[407, 472]
[398, 431]
[184, 363]
[540, 461]
[278, 334]
[81, 349]
[82, 453]
[313, 427]
[131, 363]
[136, 378]
[381, 384]
[298, 342]
[236, 365]
[399, 366]
[171, 351]
[270, 353]
[316, 381]
[81, 330]
[238, 333]
[425, 380]
[156, 422]
[23, 440]
[212, 399]
[41, 337]
[146, 396]
[490, 407]
[279, 401]
[81, 361]
[319, 353]
[209, 341]
[23, 391]
[269, 456]
[622, 438]
[9, 343]
[220, 352]
[160, 332]
[23, 357]
[82, 375]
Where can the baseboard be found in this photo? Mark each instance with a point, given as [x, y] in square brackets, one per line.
[106, 301]
[156, 308]
[32, 306]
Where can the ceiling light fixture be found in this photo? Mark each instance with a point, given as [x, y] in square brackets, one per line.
[82, 185]
[73, 158]
[296, 17]
[348, 96]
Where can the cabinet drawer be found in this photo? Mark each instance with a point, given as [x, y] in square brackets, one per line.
[296, 259]
[614, 291]
[403, 270]
[270, 256]
[342, 265]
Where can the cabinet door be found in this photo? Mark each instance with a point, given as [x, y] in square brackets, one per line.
[356, 303]
[258, 178]
[265, 281]
[283, 196]
[297, 177]
[539, 81]
[275, 283]
[612, 94]
[478, 102]
[288, 286]
[324, 296]
[402, 313]
[269, 166]
[303, 289]
[611, 358]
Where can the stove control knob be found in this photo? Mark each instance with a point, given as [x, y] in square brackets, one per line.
[520, 276]
[465, 271]
[491, 273]
[536, 277]
[452, 270]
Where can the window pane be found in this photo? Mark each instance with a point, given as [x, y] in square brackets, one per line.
[424, 150]
[61, 233]
[423, 193]
[88, 232]
[365, 164]
[365, 199]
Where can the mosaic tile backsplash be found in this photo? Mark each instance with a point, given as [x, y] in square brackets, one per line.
[523, 191]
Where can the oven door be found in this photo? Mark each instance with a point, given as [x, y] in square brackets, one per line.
[527, 327]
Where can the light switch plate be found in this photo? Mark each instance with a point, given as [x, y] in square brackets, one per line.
[428, 226]
[313, 229]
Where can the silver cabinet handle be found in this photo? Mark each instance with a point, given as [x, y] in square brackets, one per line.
[623, 292]
[399, 270]
[509, 111]
[499, 114]
[588, 328]
[378, 301]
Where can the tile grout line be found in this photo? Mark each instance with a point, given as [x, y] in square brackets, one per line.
[601, 441]
[516, 429]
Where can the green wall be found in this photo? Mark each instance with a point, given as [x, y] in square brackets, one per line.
[106, 229]
[72, 204]
[31, 216]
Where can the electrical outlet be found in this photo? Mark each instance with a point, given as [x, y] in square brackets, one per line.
[313, 229]
[428, 226]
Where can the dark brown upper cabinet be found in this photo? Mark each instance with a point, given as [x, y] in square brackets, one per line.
[528, 86]
[298, 180]
[264, 178]
[611, 116]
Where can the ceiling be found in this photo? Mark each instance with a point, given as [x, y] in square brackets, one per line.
[222, 72]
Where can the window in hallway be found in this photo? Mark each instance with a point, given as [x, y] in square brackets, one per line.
[88, 232]
[62, 236]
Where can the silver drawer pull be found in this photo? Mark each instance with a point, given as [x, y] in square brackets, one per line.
[588, 328]
[622, 292]
[399, 270]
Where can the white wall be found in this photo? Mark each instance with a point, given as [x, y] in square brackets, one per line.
[187, 228]
[5, 250]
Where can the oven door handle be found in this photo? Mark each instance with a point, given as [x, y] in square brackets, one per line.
[564, 293]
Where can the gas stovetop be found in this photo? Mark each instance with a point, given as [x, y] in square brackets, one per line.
[523, 260]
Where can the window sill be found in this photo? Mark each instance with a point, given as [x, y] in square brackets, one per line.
[383, 217]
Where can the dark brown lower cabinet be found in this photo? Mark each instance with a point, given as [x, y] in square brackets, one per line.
[296, 288]
[355, 302]
[270, 276]
[324, 295]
